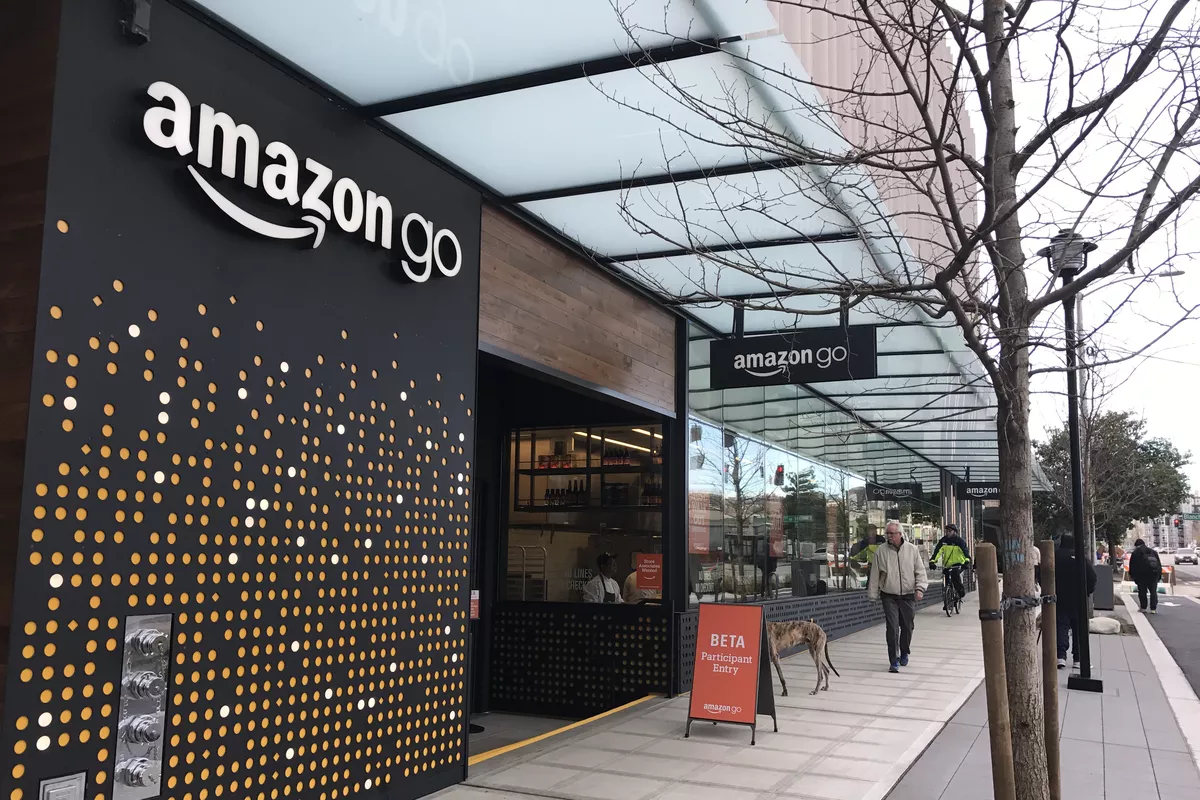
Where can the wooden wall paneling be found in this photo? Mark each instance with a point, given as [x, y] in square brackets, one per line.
[545, 305]
[28, 55]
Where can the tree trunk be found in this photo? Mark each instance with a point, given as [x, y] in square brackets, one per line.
[1026, 712]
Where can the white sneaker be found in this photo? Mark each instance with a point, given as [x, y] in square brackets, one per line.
[1154, 611]
[1062, 663]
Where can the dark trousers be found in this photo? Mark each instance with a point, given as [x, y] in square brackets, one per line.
[1067, 623]
[1144, 587]
[955, 574]
[898, 612]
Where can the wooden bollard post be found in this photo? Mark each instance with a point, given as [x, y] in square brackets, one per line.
[994, 678]
[1050, 673]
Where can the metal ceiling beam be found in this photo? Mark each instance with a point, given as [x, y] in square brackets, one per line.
[545, 77]
[657, 180]
[824, 238]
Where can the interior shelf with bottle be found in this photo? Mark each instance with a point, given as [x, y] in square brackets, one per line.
[593, 467]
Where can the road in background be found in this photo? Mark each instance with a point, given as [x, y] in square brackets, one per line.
[1178, 625]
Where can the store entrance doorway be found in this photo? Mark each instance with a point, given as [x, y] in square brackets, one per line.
[571, 497]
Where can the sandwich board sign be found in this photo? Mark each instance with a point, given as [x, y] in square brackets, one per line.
[731, 679]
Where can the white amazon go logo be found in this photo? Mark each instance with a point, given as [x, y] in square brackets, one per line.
[169, 126]
[765, 365]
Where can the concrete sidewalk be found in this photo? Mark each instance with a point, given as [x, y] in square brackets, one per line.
[850, 743]
[1124, 743]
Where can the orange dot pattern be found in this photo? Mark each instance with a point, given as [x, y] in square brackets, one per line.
[303, 516]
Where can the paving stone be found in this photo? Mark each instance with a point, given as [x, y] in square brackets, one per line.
[613, 787]
[830, 788]
[1176, 769]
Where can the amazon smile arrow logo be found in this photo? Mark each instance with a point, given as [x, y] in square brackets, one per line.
[315, 227]
[277, 169]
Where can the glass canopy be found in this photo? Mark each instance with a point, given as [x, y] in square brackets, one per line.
[563, 112]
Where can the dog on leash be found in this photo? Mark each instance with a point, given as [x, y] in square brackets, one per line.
[786, 635]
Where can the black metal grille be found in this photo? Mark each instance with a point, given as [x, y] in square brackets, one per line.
[574, 660]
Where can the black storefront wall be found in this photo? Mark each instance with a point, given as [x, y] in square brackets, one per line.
[259, 439]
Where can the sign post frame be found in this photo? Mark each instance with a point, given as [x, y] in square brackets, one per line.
[764, 695]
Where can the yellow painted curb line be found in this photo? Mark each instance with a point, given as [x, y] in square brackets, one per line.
[508, 748]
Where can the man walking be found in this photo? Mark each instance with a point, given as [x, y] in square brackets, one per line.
[1070, 617]
[1145, 568]
[898, 579]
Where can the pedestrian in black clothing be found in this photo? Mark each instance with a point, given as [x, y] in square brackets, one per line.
[1145, 568]
[1070, 618]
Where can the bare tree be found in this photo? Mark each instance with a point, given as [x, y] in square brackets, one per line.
[745, 502]
[1086, 116]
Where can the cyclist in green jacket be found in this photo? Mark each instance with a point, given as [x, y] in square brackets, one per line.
[951, 555]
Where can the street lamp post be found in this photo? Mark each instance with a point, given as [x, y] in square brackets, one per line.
[1067, 255]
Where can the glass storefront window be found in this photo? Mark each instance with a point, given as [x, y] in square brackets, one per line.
[764, 522]
[579, 493]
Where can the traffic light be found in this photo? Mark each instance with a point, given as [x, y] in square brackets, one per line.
[779, 475]
[1178, 523]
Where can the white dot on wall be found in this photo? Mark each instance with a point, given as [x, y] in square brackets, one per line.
[291, 752]
[341, 428]
[404, 395]
[291, 472]
[163, 417]
[361, 705]
[233, 558]
[249, 522]
[454, 658]
[328, 693]
[460, 490]
[250, 503]
[460, 477]
[263, 504]
[368, 544]
[295, 647]
[399, 499]
[335, 558]
[69, 403]
[424, 559]
[428, 445]
[447, 630]
[453, 714]
[224, 711]
[164, 398]
[56, 580]
[43, 742]
[283, 367]
[368, 783]
[300, 541]
[371, 703]
[45, 719]
[242, 393]
[135, 331]
[159, 477]
[462, 437]
[392, 668]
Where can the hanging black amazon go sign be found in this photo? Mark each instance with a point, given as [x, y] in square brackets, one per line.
[804, 356]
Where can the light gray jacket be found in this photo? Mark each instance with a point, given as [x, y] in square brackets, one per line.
[897, 571]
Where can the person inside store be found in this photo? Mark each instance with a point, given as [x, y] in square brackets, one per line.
[1066, 589]
[951, 555]
[603, 588]
[1145, 567]
[898, 580]
[864, 551]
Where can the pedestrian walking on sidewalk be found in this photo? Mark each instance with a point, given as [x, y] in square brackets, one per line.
[898, 579]
[1070, 617]
[1145, 568]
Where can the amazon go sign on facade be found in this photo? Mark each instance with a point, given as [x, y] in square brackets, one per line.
[291, 183]
[811, 355]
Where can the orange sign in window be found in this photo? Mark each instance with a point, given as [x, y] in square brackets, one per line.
[649, 572]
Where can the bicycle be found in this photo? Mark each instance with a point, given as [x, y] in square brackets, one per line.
[951, 599]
